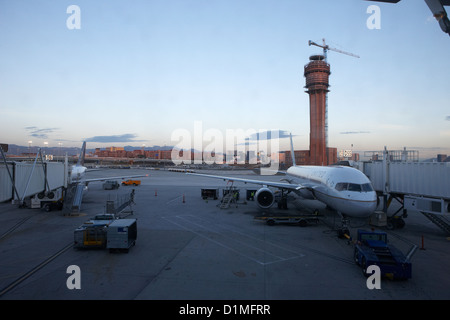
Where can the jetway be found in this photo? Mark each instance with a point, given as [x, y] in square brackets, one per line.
[424, 179]
[419, 186]
[22, 180]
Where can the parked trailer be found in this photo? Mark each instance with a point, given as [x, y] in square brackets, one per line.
[121, 235]
[302, 221]
[210, 193]
[92, 234]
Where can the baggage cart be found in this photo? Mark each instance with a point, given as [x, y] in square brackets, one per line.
[91, 234]
[121, 235]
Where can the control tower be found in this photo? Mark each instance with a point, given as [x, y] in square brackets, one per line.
[317, 72]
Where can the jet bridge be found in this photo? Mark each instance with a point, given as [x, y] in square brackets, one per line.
[19, 181]
[419, 186]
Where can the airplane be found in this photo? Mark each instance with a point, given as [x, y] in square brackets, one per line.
[78, 171]
[437, 8]
[345, 189]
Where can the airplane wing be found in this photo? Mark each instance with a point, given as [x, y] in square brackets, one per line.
[282, 185]
[86, 181]
[113, 178]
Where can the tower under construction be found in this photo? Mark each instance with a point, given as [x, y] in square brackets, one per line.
[317, 72]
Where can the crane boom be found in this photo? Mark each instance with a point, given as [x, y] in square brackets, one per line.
[347, 53]
[325, 48]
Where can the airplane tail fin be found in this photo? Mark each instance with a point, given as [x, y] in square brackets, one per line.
[292, 151]
[80, 161]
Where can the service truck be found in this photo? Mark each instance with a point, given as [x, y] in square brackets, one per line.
[130, 182]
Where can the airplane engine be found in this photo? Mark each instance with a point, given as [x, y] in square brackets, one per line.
[264, 198]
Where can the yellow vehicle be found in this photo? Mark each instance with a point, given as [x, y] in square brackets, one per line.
[130, 182]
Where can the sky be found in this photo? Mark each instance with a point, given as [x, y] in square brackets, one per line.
[136, 72]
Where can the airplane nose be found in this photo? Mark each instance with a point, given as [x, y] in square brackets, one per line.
[372, 206]
[366, 206]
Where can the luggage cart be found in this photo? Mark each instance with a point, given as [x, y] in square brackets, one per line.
[121, 235]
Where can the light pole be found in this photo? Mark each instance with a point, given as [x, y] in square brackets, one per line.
[29, 148]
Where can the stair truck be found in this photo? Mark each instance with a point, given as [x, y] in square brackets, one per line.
[372, 248]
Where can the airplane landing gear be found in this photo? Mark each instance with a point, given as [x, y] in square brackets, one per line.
[343, 231]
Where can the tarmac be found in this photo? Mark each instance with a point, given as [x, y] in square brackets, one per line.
[188, 248]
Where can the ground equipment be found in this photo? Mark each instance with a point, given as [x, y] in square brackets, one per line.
[131, 182]
[121, 235]
[210, 193]
[302, 221]
[110, 185]
[372, 248]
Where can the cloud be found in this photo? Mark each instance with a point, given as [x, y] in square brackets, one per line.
[268, 135]
[35, 132]
[354, 132]
[447, 118]
[254, 138]
[127, 137]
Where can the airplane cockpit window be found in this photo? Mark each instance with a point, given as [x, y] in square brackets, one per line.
[367, 187]
[341, 186]
[354, 187]
[344, 186]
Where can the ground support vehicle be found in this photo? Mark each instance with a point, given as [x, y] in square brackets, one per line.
[92, 234]
[121, 235]
[130, 182]
[111, 185]
[210, 194]
[372, 248]
[106, 231]
[48, 201]
[52, 205]
[302, 221]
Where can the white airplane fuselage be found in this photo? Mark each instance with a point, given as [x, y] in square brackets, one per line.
[345, 189]
[77, 173]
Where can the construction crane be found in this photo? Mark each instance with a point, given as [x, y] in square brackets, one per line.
[325, 48]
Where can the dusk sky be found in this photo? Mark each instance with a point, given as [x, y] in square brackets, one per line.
[136, 71]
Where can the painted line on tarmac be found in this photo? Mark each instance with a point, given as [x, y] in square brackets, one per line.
[227, 246]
